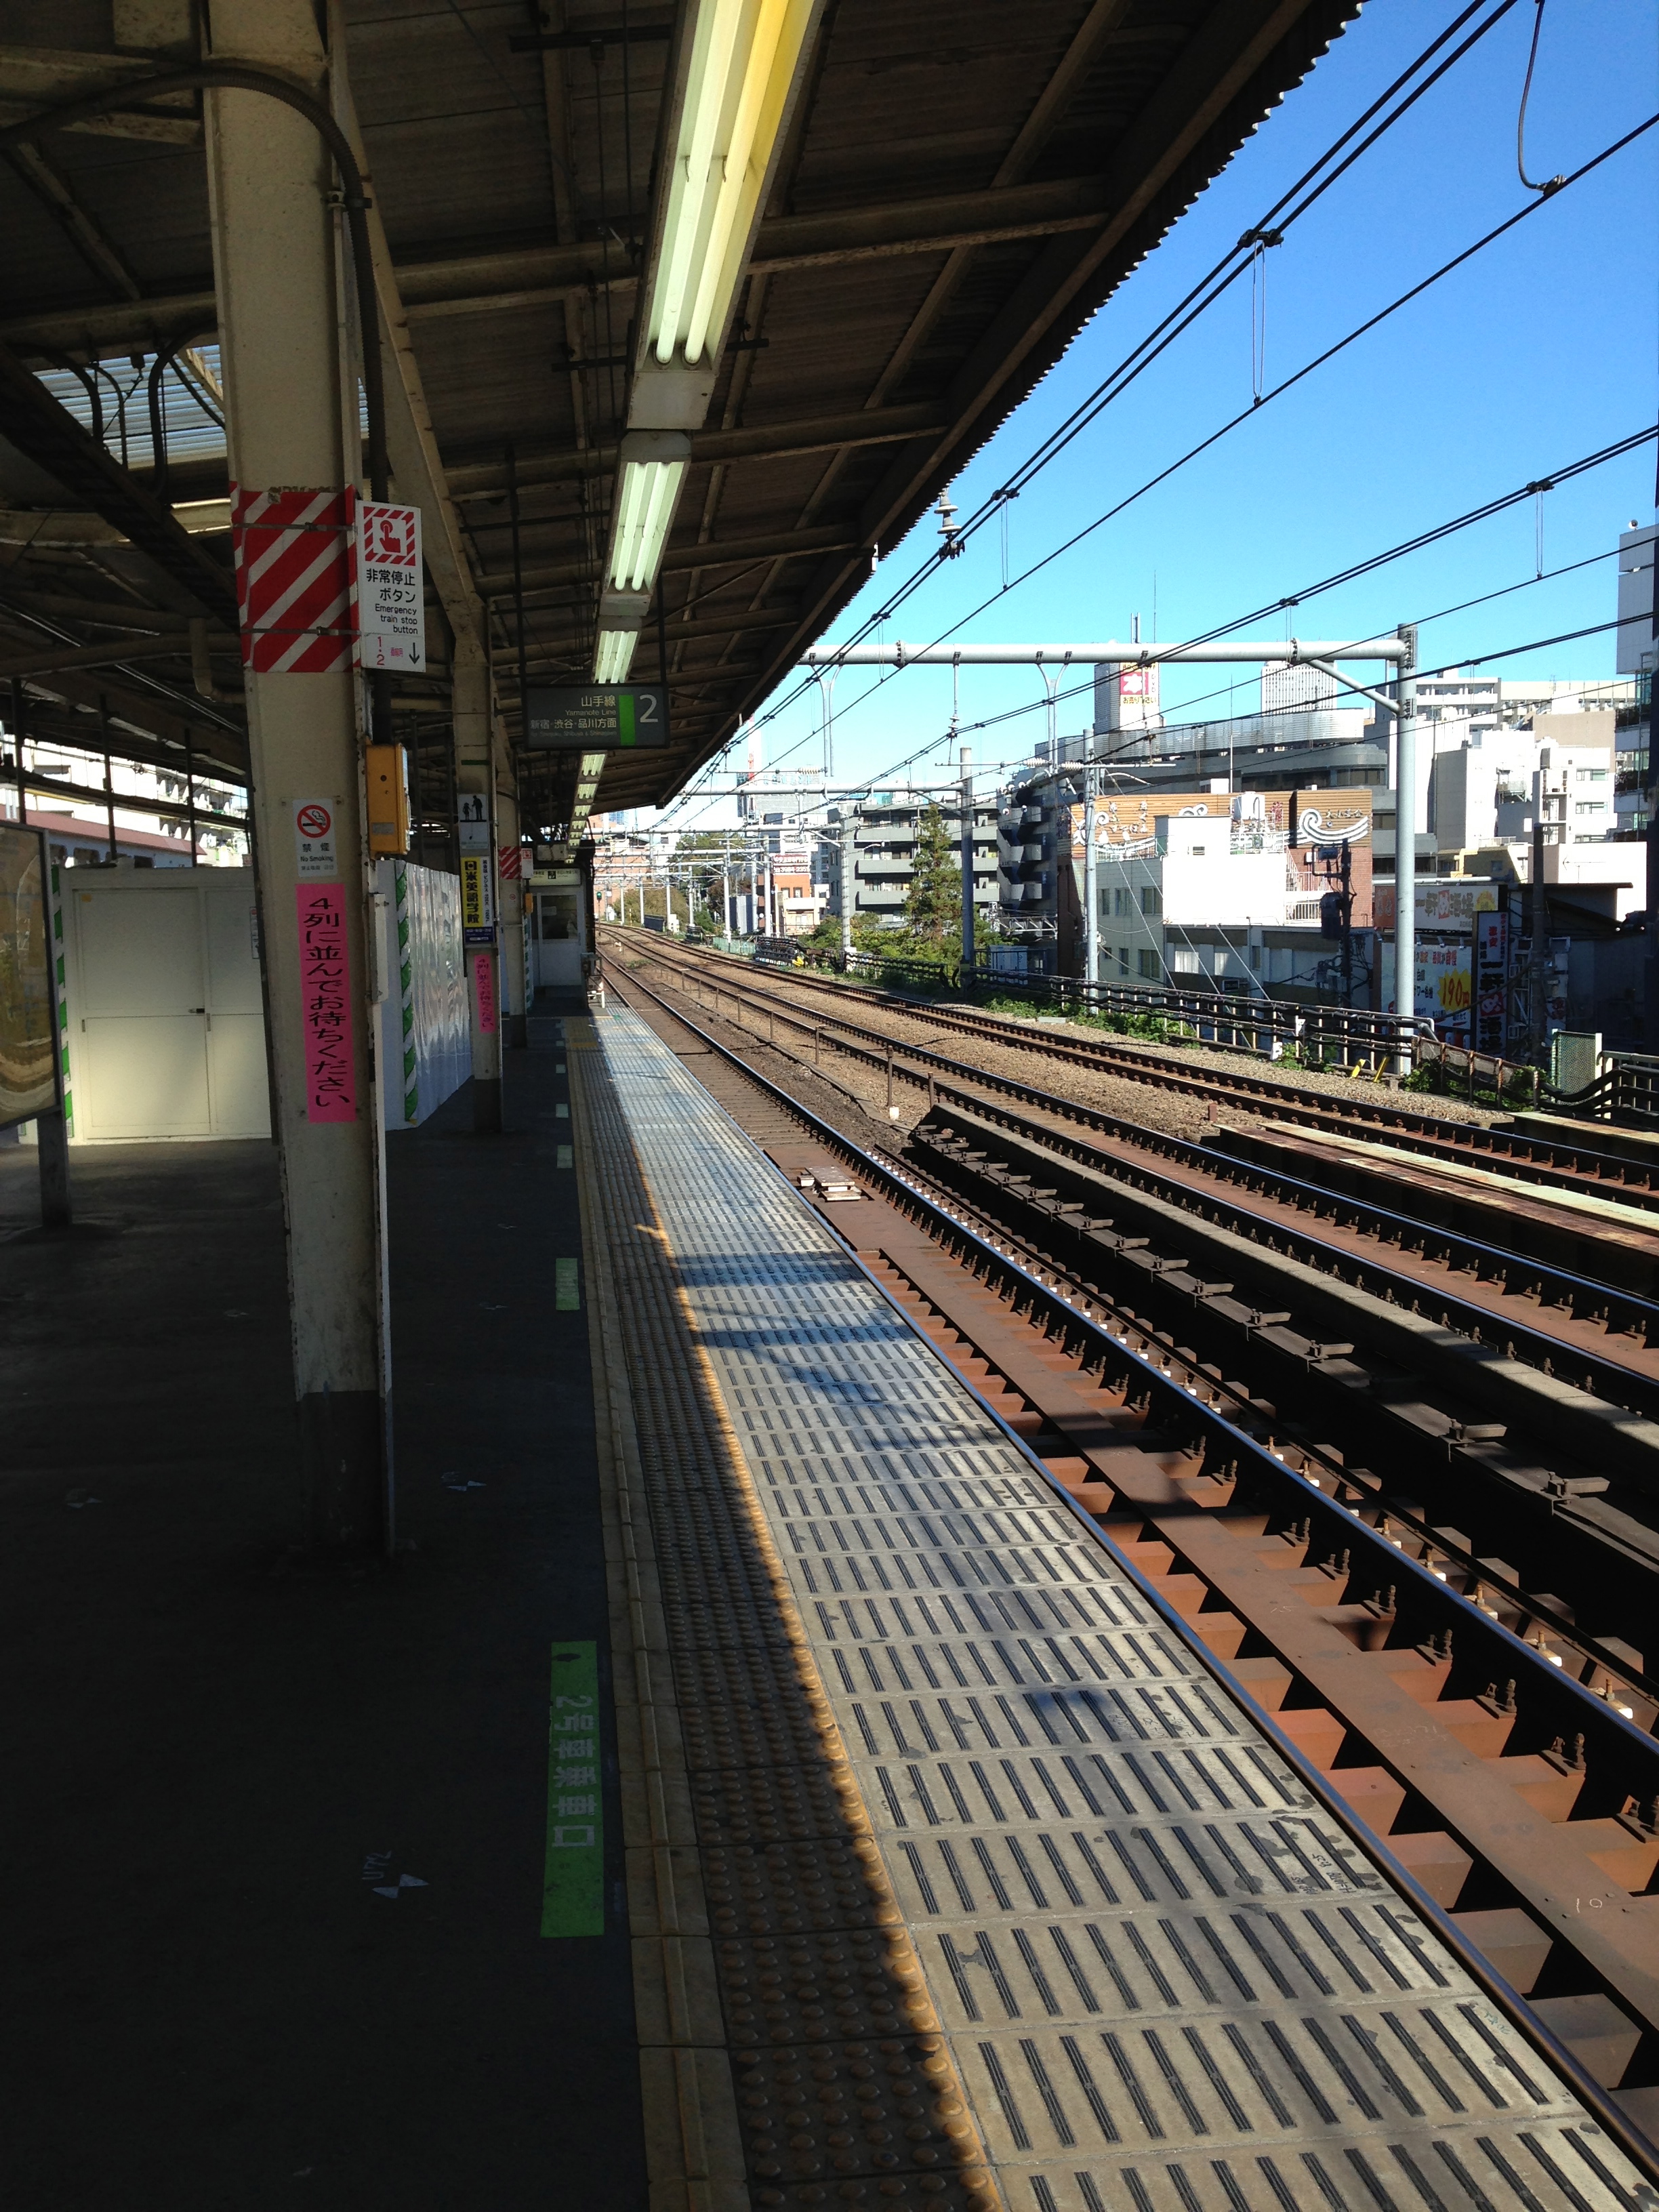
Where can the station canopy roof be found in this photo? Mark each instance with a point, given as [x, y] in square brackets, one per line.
[706, 306]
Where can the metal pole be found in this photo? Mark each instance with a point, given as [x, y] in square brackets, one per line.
[475, 799]
[1405, 829]
[190, 794]
[846, 884]
[17, 711]
[1091, 882]
[109, 779]
[274, 249]
[968, 947]
[1537, 925]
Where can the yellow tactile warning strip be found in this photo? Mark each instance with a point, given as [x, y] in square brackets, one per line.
[744, 1819]
[694, 2156]
[1167, 1978]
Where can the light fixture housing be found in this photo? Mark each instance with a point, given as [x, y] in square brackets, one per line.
[741, 67]
[653, 469]
[613, 655]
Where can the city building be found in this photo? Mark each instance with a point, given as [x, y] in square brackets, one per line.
[883, 828]
[144, 817]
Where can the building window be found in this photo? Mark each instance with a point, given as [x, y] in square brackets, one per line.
[1590, 806]
[1592, 774]
[1146, 961]
[1152, 901]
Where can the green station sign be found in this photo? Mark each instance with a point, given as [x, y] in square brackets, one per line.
[599, 718]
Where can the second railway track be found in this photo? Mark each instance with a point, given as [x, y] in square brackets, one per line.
[1552, 1160]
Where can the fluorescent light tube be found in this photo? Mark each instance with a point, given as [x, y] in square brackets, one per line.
[614, 655]
[646, 498]
[743, 58]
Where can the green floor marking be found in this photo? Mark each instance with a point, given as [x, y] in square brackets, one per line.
[567, 1156]
[572, 1887]
[567, 1288]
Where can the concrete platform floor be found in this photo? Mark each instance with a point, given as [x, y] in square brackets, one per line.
[217, 1754]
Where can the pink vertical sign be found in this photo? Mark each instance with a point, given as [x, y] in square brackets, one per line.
[325, 1003]
[484, 982]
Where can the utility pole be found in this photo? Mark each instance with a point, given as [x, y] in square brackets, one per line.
[1537, 925]
[847, 822]
[967, 949]
[269, 184]
[1090, 874]
[1404, 825]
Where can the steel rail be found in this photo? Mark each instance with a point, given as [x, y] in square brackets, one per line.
[1483, 1464]
[1464, 1254]
[1053, 1315]
[1538, 1159]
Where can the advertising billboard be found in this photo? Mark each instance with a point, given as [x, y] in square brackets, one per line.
[27, 995]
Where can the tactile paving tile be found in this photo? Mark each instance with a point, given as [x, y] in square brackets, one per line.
[788, 1889]
[870, 2108]
[768, 1805]
[735, 1716]
[813, 1988]
[1169, 1981]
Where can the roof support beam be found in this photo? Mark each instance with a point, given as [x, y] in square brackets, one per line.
[537, 277]
[732, 553]
[770, 442]
[38, 426]
[412, 445]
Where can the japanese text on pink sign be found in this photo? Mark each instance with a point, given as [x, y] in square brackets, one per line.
[325, 1003]
[484, 983]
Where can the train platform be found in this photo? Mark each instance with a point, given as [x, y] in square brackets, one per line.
[965, 1880]
[280, 1926]
[751, 1783]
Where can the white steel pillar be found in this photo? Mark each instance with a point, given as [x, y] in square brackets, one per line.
[474, 794]
[967, 857]
[1091, 878]
[1405, 826]
[274, 249]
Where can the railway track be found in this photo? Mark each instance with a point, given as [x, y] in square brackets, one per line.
[1521, 1799]
[1491, 1271]
[1556, 1162]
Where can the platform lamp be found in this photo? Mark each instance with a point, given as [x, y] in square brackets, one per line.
[736, 70]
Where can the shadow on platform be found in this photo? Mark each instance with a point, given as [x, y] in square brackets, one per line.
[219, 1756]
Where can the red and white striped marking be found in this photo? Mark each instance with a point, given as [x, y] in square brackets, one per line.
[294, 580]
[510, 861]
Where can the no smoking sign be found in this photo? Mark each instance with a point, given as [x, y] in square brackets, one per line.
[316, 858]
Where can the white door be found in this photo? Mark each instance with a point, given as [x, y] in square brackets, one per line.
[558, 945]
[143, 1042]
[239, 1095]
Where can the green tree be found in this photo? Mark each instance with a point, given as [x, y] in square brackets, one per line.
[932, 906]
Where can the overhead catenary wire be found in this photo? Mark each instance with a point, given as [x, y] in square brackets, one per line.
[1269, 229]
[1276, 391]
[1485, 512]
[1550, 183]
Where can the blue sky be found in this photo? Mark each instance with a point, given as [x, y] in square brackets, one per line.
[1544, 348]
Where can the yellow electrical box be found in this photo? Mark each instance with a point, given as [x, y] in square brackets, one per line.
[388, 800]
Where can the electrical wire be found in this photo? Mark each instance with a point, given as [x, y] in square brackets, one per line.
[1269, 230]
[1485, 512]
[1277, 392]
[1550, 183]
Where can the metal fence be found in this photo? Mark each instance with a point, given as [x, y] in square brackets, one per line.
[1273, 1028]
[1626, 1090]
